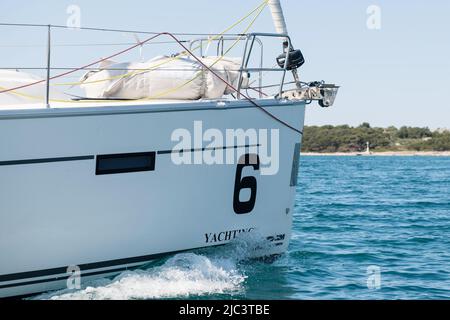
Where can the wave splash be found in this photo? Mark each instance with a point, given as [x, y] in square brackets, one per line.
[185, 274]
[216, 271]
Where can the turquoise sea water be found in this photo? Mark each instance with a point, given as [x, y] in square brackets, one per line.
[389, 214]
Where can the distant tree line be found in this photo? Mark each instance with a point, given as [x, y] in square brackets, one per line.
[354, 139]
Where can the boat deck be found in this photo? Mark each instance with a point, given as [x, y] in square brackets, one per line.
[130, 106]
[93, 104]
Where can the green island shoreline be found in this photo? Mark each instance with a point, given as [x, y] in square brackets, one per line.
[382, 154]
[364, 140]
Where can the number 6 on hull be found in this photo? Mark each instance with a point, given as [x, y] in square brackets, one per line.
[249, 182]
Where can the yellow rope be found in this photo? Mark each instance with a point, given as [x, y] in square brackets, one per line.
[20, 94]
[164, 93]
[259, 7]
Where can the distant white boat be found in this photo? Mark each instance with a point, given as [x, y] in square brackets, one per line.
[92, 183]
[367, 152]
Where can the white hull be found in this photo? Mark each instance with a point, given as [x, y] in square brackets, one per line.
[56, 212]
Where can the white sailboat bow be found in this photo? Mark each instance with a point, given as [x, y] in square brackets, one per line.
[152, 158]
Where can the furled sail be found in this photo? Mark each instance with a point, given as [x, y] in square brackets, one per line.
[29, 95]
[278, 16]
[163, 77]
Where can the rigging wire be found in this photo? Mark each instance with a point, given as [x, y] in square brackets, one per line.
[200, 73]
[262, 5]
[236, 90]
[163, 93]
[81, 68]
[105, 29]
[84, 44]
[232, 87]
[156, 35]
[130, 74]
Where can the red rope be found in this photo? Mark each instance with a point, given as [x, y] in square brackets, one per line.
[187, 50]
[83, 67]
[232, 87]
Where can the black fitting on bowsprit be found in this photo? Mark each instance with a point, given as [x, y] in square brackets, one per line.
[295, 58]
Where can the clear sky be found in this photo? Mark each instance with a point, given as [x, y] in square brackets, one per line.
[396, 75]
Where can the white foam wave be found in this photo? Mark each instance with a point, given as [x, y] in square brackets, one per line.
[183, 275]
